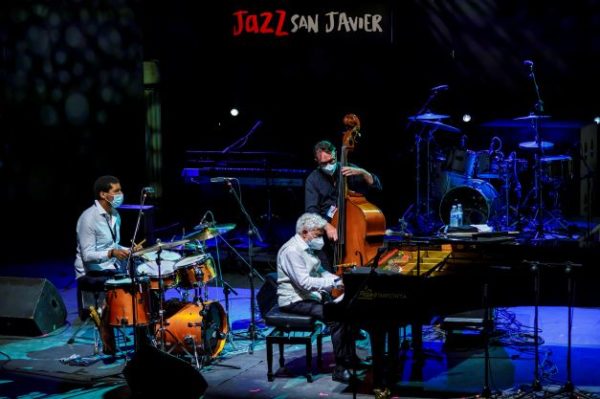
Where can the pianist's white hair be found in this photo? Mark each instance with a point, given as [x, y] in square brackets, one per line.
[310, 221]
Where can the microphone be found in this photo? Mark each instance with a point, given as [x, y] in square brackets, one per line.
[221, 179]
[528, 63]
[440, 88]
[149, 190]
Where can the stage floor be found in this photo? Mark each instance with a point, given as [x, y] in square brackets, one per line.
[48, 366]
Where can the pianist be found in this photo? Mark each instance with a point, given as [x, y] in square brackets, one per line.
[302, 283]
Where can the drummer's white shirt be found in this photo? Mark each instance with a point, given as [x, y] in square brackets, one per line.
[94, 239]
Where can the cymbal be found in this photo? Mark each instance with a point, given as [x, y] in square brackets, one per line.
[440, 126]
[427, 116]
[204, 234]
[532, 116]
[224, 227]
[158, 246]
[532, 145]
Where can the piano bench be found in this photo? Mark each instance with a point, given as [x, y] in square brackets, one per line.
[292, 329]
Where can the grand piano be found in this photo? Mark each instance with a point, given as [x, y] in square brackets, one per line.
[416, 280]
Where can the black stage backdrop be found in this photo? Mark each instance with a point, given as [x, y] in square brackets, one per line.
[73, 109]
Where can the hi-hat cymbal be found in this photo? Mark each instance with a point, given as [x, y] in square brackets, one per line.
[441, 126]
[533, 145]
[204, 234]
[158, 246]
[427, 116]
[532, 116]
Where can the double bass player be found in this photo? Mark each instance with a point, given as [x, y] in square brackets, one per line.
[321, 193]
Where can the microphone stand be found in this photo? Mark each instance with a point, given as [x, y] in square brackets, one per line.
[252, 231]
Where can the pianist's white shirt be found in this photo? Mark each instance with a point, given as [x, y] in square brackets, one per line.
[299, 273]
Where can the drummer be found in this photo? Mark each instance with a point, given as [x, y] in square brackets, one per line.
[99, 253]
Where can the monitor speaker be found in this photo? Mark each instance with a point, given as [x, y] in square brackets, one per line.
[30, 307]
[152, 372]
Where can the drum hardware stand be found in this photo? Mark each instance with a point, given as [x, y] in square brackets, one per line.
[130, 264]
[418, 139]
[589, 176]
[227, 289]
[535, 117]
[253, 334]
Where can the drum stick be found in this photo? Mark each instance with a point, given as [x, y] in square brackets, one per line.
[139, 244]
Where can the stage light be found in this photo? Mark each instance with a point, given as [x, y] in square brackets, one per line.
[466, 118]
[597, 120]
[234, 112]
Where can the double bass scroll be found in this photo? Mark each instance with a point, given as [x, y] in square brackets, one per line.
[360, 224]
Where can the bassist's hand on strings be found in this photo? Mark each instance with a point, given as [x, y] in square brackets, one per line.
[331, 232]
[356, 171]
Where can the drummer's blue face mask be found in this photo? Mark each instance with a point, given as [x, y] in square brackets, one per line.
[117, 200]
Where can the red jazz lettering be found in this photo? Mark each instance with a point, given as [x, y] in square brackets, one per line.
[270, 23]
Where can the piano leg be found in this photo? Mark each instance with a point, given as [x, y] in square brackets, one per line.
[380, 335]
[377, 337]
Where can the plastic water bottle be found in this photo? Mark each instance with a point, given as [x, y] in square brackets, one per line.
[454, 216]
[459, 215]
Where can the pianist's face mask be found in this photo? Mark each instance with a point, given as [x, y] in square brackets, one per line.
[316, 244]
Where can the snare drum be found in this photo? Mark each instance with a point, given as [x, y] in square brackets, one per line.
[194, 271]
[194, 327]
[167, 271]
[119, 303]
[556, 168]
[490, 165]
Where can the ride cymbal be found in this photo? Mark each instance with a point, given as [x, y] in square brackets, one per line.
[158, 246]
[427, 116]
[533, 145]
[532, 116]
[224, 227]
[203, 235]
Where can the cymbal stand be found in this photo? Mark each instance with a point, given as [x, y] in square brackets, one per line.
[418, 138]
[161, 299]
[130, 264]
[252, 333]
[538, 111]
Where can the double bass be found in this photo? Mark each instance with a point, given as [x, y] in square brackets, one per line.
[360, 224]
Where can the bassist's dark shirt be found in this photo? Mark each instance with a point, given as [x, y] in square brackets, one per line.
[321, 191]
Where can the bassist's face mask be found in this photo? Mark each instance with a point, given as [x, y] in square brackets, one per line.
[329, 168]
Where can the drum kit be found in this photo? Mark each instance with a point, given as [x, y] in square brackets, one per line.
[487, 182]
[196, 328]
